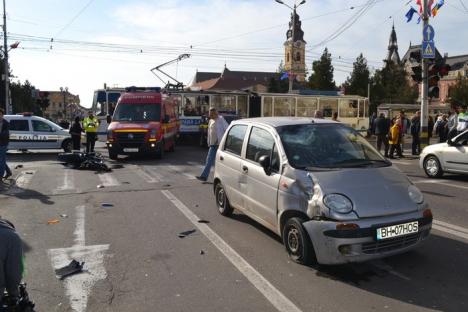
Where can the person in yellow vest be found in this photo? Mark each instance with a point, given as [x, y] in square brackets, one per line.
[394, 138]
[90, 125]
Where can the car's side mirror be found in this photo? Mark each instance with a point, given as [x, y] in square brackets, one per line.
[265, 162]
[109, 119]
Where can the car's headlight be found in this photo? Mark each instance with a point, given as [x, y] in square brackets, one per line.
[338, 203]
[415, 194]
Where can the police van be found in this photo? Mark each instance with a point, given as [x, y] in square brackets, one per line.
[29, 132]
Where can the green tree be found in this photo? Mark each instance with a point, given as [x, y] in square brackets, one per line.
[359, 80]
[322, 73]
[22, 98]
[459, 92]
[390, 85]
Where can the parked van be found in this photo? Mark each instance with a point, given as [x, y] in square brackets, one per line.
[321, 187]
[144, 122]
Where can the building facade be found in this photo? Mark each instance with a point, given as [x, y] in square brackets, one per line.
[63, 105]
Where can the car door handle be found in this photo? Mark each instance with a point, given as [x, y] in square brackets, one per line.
[245, 169]
[221, 158]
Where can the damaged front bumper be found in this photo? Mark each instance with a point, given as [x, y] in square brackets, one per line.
[338, 246]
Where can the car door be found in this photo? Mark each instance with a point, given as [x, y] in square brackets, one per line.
[19, 134]
[261, 192]
[456, 156]
[44, 135]
[228, 164]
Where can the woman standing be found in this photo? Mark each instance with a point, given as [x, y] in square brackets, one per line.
[394, 138]
[75, 132]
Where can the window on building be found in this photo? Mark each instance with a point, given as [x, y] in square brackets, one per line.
[298, 56]
[287, 57]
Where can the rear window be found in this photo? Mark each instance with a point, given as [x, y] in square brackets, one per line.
[235, 139]
[137, 112]
[19, 125]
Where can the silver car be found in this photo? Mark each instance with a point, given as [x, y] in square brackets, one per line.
[29, 132]
[320, 186]
[451, 156]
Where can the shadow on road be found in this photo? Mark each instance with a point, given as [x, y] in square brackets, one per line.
[28, 194]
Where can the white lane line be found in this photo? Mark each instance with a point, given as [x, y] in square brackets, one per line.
[450, 229]
[451, 226]
[440, 183]
[181, 170]
[108, 179]
[68, 182]
[78, 287]
[271, 293]
[390, 270]
[146, 176]
[155, 174]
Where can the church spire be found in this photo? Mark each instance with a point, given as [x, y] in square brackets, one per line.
[393, 55]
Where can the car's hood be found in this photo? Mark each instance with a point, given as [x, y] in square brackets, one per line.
[133, 125]
[373, 191]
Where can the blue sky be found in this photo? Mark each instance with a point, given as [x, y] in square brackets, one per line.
[246, 35]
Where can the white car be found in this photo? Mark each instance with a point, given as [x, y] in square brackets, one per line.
[29, 132]
[451, 156]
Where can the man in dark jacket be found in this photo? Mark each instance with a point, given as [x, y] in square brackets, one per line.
[11, 254]
[416, 133]
[4, 140]
[382, 127]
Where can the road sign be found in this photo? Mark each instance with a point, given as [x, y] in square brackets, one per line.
[428, 33]
[428, 49]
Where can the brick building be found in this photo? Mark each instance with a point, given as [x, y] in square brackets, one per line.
[63, 105]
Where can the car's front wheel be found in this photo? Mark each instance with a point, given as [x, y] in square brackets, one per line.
[297, 242]
[432, 167]
[222, 201]
[67, 146]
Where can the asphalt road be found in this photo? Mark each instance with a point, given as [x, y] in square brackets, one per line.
[136, 261]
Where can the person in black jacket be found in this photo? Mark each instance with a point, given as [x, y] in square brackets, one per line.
[75, 132]
[416, 133]
[4, 140]
[382, 127]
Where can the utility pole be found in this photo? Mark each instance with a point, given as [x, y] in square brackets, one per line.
[424, 85]
[8, 108]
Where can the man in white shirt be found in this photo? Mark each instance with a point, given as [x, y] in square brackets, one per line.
[216, 128]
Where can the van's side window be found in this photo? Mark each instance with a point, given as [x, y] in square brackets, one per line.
[235, 139]
[19, 125]
[261, 143]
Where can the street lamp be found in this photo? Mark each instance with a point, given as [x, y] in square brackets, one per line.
[294, 8]
[64, 93]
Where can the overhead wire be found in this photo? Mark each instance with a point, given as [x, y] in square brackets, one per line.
[73, 19]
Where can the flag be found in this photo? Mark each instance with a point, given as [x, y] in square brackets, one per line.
[410, 13]
[285, 75]
[436, 7]
[429, 6]
[419, 3]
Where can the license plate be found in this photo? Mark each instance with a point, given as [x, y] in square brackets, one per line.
[397, 230]
[130, 150]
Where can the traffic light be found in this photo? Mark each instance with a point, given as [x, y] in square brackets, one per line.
[415, 59]
[436, 71]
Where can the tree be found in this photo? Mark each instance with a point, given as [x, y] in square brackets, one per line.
[459, 92]
[276, 84]
[322, 73]
[22, 98]
[359, 80]
[390, 85]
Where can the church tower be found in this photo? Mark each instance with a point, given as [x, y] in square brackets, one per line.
[294, 48]
[393, 55]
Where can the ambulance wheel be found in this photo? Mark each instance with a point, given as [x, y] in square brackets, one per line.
[67, 146]
[172, 148]
[113, 155]
[160, 151]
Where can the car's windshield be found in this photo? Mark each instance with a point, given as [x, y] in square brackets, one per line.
[137, 112]
[327, 146]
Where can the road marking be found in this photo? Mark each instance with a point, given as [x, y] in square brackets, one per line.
[155, 174]
[181, 170]
[68, 182]
[441, 183]
[399, 162]
[22, 181]
[145, 175]
[450, 229]
[108, 179]
[271, 293]
[195, 164]
[78, 287]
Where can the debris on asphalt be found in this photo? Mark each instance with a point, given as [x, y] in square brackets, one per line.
[107, 205]
[196, 205]
[202, 252]
[100, 186]
[203, 221]
[64, 216]
[53, 221]
[186, 233]
[18, 166]
[28, 172]
[167, 185]
[74, 267]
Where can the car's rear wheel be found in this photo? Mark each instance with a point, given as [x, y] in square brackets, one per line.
[67, 146]
[432, 167]
[222, 201]
[297, 242]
